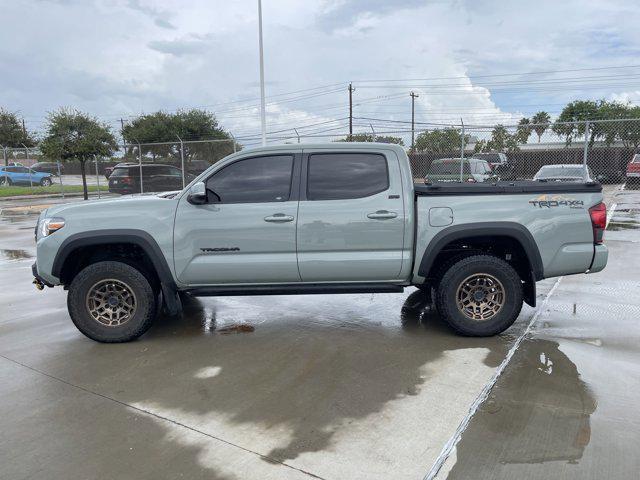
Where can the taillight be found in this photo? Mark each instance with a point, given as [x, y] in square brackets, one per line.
[598, 214]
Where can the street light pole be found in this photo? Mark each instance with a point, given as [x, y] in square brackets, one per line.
[263, 119]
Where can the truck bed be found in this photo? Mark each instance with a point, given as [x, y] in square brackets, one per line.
[504, 188]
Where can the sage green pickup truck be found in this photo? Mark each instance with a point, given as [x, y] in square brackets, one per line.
[327, 218]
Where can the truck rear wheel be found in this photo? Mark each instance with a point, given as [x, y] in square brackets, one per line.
[111, 302]
[479, 296]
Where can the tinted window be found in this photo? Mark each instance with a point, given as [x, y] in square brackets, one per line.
[491, 157]
[167, 170]
[335, 176]
[120, 172]
[448, 167]
[253, 180]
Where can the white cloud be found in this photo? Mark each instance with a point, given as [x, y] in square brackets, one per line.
[122, 57]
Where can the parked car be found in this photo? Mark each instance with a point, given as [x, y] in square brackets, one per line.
[500, 164]
[109, 170]
[48, 167]
[448, 170]
[564, 173]
[125, 178]
[24, 176]
[633, 171]
[196, 167]
[494, 158]
[330, 218]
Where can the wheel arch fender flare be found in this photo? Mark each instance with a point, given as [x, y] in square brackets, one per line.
[514, 230]
[136, 237]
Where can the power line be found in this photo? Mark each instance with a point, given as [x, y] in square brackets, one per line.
[505, 74]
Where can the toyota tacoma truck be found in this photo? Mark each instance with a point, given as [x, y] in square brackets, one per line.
[328, 218]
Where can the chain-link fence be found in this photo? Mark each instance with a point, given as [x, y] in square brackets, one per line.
[602, 151]
[133, 168]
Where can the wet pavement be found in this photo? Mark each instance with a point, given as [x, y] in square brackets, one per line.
[321, 386]
[566, 406]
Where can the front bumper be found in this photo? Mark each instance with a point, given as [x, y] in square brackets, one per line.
[600, 256]
[37, 278]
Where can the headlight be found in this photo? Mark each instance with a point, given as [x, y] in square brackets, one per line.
[50, 225]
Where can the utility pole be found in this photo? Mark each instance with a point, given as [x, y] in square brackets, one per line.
[24, 130]
[413, 96]
[124, 142]
[351, 90]
[263, 120]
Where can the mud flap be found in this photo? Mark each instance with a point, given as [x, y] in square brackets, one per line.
[529, 290]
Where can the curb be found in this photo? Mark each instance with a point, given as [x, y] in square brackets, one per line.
[25, 210]
[55, 195]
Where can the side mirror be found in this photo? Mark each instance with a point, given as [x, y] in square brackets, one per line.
[197, 194]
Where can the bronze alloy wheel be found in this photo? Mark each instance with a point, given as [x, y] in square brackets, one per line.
[111, 302]
[480, 296]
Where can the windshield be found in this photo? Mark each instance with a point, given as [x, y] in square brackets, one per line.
[554, 172]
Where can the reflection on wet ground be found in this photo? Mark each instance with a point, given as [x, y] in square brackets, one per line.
[15, 254]
[539, 411]
[313, 363]
[566, 405]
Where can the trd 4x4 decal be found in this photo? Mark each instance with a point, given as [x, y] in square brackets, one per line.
[550, 201]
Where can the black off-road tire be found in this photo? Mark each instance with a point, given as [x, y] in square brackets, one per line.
[457, 273]
[145, 302]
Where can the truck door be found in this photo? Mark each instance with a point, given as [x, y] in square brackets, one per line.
[351, 216]
[246, 232]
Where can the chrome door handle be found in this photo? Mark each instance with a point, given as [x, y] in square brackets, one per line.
[382, 215]
[279, 218]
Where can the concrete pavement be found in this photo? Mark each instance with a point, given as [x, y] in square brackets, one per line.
[347, 386]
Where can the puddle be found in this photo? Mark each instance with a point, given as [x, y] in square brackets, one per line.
[238, 328]
[15, 254]
[623, 226]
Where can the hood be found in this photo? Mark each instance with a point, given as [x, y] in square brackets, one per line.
[123, 202]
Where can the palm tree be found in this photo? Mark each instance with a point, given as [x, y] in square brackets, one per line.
[541, 123]
[524, 130]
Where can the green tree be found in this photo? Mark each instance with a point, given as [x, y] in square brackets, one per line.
[389, 139]
[524, 130]
[73, 135]
[618, 129]
[188, 125]
[440, 141]
[541, 122]
[11, 132]
[502, 141]
[571, 121]
[358, 137]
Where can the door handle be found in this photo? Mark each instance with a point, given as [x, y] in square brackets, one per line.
[382, 215]
[279, 218]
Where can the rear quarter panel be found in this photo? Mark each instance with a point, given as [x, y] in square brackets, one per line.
[563, 234]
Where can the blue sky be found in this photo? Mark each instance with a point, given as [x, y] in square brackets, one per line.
[120, 58]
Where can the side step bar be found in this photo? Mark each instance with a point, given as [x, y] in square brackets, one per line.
[292, 289]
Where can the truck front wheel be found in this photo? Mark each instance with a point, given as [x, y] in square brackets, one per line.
[111, 302]
[480, 295]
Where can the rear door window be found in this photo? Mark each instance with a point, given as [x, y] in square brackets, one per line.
[335, 176]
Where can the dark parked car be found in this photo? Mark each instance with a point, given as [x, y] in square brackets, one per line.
[125, 178]
[48, 167]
